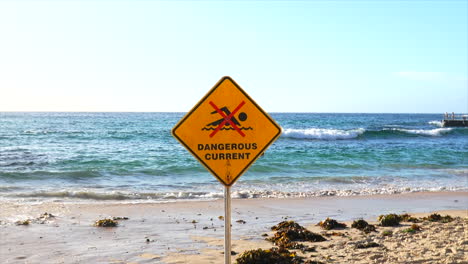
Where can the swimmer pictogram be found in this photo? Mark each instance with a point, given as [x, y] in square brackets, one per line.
[228, 120]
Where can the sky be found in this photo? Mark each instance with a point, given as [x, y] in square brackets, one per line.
[289, 56]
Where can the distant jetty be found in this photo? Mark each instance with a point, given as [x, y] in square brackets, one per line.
[453, 120]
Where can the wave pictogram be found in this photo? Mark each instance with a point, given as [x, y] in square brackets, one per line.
[227, 128]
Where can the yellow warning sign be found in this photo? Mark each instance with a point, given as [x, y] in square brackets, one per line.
[226, 131]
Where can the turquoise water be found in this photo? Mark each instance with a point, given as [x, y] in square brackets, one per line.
[133, 157]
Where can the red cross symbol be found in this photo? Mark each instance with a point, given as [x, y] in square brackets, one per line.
[227, 119]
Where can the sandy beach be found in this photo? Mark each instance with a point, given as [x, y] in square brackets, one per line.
[339, 127]
[191, 232]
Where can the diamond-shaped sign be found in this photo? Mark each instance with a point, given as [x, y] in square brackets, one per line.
[226, 131]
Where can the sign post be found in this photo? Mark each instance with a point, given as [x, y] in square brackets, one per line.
[227, 225]
[227, 132]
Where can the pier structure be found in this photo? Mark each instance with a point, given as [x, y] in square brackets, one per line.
[455, 120]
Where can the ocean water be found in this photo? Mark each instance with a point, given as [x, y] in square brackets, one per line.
[132, 157]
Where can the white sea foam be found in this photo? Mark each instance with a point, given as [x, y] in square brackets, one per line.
[435, 123]
[427, 132]
[322, 133]
[243, 192]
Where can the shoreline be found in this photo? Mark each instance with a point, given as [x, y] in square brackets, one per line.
[90, 199]
[172, 232]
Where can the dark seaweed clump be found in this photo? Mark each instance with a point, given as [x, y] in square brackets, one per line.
[23, 222]
[363, 226]
[390, 220]
[272, 256]
[394, 219]
[409, 218]
[439, 218]
[269, 256]
[329, 224]
[286, 224]
[120, 218]
[289, 231]
[300, 246]
[106, 223]
[367, 245]
[46, 216]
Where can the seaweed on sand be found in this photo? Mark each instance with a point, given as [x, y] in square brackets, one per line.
[120, 218]
[329, 224]
[46, 216]
[438, 218]
[23, 222]
[289, 231]
[286, 224]
[367, 245]
[268, 256]
[106, 223]
[390, 220]
[363, 226]
[409, 218]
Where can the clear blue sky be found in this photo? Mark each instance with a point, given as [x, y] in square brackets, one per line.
[302, 56]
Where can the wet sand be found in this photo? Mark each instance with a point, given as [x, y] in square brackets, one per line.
[190, 232]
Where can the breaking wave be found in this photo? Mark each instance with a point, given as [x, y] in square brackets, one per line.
[322, 133]
[435, 123]
[361, 133]
[427, 132]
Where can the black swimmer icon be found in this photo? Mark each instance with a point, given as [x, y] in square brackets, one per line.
[242, 117]
[228, 120]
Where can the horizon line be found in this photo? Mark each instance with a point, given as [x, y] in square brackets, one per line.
[274, 112]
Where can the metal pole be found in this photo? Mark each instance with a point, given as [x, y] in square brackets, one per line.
[227, 225]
